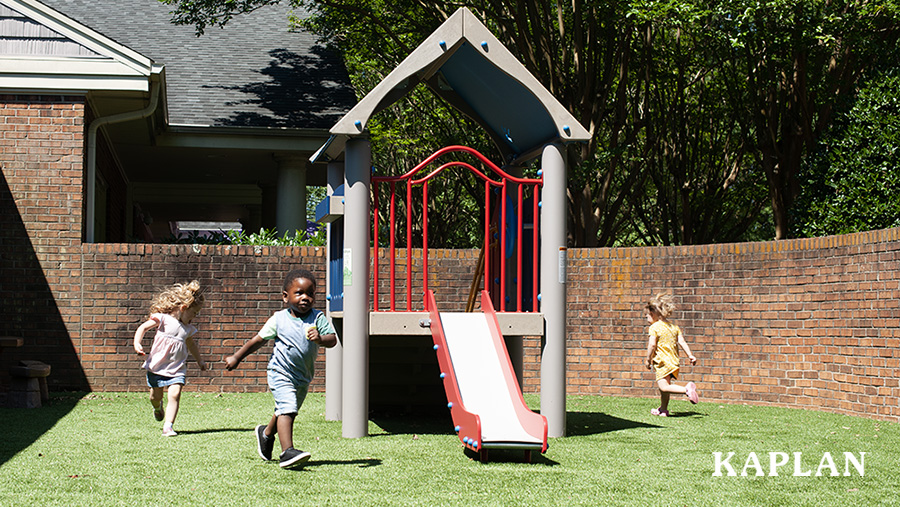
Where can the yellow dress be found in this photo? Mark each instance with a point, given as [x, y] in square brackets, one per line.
[666, 359]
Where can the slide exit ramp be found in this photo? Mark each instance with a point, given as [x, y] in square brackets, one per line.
[483, 394]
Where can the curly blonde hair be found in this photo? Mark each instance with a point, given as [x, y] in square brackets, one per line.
[663, 304]
[181, 294]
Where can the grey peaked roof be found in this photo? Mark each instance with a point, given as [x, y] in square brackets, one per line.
[254, 72]
[462, 62]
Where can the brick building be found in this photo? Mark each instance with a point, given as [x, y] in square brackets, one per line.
[116, 125]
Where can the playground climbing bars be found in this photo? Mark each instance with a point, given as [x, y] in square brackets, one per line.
[501, 184]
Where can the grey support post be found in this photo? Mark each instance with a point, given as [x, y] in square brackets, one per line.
[553, 289]
[355, 403]
[334, 357]
[515, 345]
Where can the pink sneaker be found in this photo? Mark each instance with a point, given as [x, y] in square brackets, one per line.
[661, 413]
[692, 392]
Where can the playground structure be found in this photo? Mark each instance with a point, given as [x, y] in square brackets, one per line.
[523, 274]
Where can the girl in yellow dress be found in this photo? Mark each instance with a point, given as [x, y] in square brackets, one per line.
[662, 353]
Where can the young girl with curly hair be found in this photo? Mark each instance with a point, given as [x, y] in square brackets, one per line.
[171, 313]
[662, 352]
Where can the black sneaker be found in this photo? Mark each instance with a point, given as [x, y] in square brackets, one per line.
[263, 443]
[294, 458]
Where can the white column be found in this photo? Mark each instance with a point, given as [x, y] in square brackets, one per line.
[290, 202]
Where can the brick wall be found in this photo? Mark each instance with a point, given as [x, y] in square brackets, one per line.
[801, 323]
[242, 287]
[41, 158]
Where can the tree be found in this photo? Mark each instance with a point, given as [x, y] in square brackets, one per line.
[790, 61]
[699, 187]
[852, 183]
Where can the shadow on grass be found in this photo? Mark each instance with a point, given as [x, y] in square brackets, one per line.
[215, 430]
[24, 426]
[595, 423]
[359, 463]
[512, 456]
[577, 423]
[425, 423]
[686, 414]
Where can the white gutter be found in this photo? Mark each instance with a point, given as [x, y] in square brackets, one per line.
[90, 210]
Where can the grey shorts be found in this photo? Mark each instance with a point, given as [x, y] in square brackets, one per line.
[288, 393]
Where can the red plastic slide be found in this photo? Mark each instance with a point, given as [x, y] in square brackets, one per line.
[483, 394]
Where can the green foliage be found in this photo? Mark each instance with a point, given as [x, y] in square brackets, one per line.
[265, 237]
[268, 237]
[790, 64]
[373, 37]
[699, 184]
[853, 182]
[314, 195]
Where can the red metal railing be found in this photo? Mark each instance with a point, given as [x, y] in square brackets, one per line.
[501, 183]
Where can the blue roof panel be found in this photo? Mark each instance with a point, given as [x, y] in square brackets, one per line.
[505, 105]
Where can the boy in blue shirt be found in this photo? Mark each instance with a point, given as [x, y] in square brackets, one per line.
[298, 331]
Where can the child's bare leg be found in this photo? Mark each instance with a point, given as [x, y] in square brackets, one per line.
[663, 401]
[666, 389]
[272, 427]
[156, 396]
[174, 399]
[285, 428]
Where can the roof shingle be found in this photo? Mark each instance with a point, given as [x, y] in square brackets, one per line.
[254, 72]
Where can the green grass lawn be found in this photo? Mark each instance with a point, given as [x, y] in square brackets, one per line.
[106, 449]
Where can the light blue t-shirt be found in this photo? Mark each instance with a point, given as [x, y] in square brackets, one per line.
[294, 355]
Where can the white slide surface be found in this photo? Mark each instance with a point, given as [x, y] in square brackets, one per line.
[484, 389]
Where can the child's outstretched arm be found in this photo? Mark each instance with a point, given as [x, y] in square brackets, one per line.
[687, 350]
[252, 345]
[139, 335]
[195, 351]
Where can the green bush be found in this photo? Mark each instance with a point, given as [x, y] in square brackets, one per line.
[852, 182]
[269, 237]
[315, 236]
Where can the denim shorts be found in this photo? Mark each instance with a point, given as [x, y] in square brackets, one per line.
[154, 380]
[289, 395]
